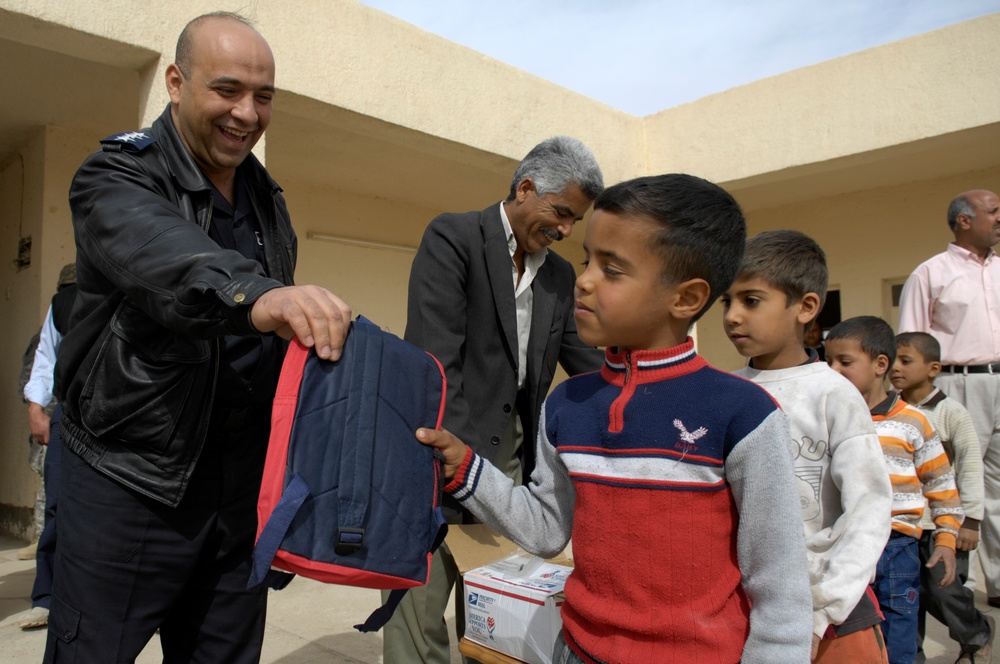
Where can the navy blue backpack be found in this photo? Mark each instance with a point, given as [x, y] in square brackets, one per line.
[349, 496]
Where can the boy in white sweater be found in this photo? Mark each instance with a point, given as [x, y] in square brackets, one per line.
[843, 485]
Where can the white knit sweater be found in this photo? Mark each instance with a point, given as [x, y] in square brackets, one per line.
[843, 483]
[958, 436]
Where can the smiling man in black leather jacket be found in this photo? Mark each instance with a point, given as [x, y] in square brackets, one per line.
[185, 257]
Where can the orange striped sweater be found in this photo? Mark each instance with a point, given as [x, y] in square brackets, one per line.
[918, 469]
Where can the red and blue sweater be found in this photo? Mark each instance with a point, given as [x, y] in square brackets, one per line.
[675, 481]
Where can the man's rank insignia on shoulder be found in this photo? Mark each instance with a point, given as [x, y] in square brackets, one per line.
[130, 141]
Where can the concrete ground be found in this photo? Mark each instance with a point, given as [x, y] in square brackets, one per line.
[307, 623]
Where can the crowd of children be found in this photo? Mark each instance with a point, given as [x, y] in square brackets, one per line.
[795, 511]
[863, 349]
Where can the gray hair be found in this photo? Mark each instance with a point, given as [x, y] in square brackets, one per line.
[557, 163]
[960, 206]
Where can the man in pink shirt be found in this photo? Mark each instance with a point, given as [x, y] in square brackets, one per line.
[955, 296]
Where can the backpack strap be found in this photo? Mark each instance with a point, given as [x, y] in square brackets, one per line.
[291, 497]
[382, 614]
[274, 531]
[355, 483]
[367, 386]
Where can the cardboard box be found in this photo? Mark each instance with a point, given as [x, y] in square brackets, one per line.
[475, 545]
[512, 602]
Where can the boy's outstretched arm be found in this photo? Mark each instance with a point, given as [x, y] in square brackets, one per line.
[538, 517]
[451, 447]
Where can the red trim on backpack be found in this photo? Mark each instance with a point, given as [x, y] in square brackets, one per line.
[444, 391]
[339, 574]
[286, 399]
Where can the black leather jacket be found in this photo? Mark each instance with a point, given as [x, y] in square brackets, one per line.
[136, 373]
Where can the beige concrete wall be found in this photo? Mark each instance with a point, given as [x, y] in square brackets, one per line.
[379, 66]
[372, 279]
[30, 205]
[64, 150]
[19, 217]
[350, 56]
[61, 106]
[924, 86]
[353, 57]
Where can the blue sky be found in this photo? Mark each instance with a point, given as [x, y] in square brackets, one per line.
[642, 56]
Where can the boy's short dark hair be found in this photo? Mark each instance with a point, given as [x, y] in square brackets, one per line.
[923, 343]
[874, 334]
[702, 229]
[788, 260]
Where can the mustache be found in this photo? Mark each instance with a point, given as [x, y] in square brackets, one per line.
[553, 235]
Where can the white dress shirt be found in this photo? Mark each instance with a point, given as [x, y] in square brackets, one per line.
[523, 298]
[39, 387]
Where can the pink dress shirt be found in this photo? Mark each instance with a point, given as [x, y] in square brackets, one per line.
[956, 297]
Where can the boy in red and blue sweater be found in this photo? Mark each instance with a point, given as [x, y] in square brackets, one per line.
[673, 478]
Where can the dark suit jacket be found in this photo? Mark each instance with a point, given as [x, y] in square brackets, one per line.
[461, 309]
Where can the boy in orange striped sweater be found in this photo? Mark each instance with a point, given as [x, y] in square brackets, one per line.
[862, 349]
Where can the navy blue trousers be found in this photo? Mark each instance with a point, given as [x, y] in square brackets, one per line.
[128, 565]
[45, 556]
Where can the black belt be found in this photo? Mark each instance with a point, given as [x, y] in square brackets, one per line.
[972, 368]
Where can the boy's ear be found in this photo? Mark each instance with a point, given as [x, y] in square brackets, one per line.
[933, 369]
[808, 308]
[881, 365]
[690, 297]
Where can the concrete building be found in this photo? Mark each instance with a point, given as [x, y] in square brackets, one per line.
[378, 126]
